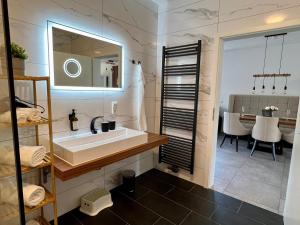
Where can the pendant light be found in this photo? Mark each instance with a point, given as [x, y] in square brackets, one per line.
[274, 75]
[264, 66]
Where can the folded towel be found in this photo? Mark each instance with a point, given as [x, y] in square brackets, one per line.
[6, 117]
[30, 155]
[33, 194]
[32, 222]
[32, 114]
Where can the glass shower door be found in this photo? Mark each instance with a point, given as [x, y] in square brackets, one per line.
[11, 198]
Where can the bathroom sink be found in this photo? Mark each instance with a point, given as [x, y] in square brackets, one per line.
[81, 148]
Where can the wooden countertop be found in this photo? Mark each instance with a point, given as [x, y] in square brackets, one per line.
[65, 171]
[282, 121]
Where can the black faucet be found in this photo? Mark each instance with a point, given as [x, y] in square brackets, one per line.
[92, 126]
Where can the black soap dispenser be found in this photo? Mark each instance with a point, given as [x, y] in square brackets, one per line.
[73, 121]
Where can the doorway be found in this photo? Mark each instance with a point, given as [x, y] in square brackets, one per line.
[259, 179]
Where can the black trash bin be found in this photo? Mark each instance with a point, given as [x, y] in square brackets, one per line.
[128, 180]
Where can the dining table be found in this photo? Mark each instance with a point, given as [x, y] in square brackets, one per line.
[285, 122]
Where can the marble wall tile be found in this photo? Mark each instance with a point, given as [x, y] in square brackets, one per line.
[189, 16]
[235, 9]
[168, 5]
[149, 5]
[133, 38]
[258, 20]
[132, 13]
[84, 15]
[204, 33]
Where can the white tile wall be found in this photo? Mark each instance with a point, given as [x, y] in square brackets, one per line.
[131, 22]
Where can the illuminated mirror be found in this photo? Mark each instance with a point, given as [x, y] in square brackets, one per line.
[83, 61]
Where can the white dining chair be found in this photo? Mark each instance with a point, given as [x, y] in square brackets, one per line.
[232, 127]
[288, 137]
[266, 130]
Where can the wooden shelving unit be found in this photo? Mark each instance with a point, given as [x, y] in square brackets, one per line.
[9, 171]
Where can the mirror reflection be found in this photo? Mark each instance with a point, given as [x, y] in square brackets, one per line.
[84, 61]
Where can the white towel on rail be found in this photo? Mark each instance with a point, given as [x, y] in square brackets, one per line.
[33, 194]
[142, 121]
[30, 155]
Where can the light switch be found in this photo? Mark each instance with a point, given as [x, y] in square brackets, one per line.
[114, 106]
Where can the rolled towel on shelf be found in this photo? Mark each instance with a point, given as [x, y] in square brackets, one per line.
[32, 222]
[33, 194]
[32, 114]
[30, 155]
[6, 117]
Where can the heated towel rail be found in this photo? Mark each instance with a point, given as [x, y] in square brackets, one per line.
[179, 152]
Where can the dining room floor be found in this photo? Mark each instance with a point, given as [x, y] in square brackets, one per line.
[257, 180]
[163, 199]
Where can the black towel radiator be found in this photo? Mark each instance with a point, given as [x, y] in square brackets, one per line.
[179, 152]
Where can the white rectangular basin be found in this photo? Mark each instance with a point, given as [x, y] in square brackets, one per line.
[81, 148]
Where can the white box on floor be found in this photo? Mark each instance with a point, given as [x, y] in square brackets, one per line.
[95, 201]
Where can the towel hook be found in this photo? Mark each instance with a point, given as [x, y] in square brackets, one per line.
[138, 62]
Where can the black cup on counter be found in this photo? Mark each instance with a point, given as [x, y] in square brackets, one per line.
[105, 126]
[112, 125]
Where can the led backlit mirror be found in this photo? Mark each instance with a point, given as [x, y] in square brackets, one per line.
[83, 61]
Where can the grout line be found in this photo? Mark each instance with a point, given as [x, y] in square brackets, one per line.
[171, 189]
[117, 215]
[145, 207]
[213, 212]
[239, 208]
[185, 218]
[75, 217]
[142, 195]
[192, 188]
[157, 220]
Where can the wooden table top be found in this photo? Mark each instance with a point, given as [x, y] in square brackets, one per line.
[288, 122]
[65, 171]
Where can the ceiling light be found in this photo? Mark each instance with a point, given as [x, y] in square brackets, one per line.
[275, 18]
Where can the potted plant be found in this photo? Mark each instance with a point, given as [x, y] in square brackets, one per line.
[268, 111]
[18, 59]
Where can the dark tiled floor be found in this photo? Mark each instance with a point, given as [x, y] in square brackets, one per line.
[162, 199]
